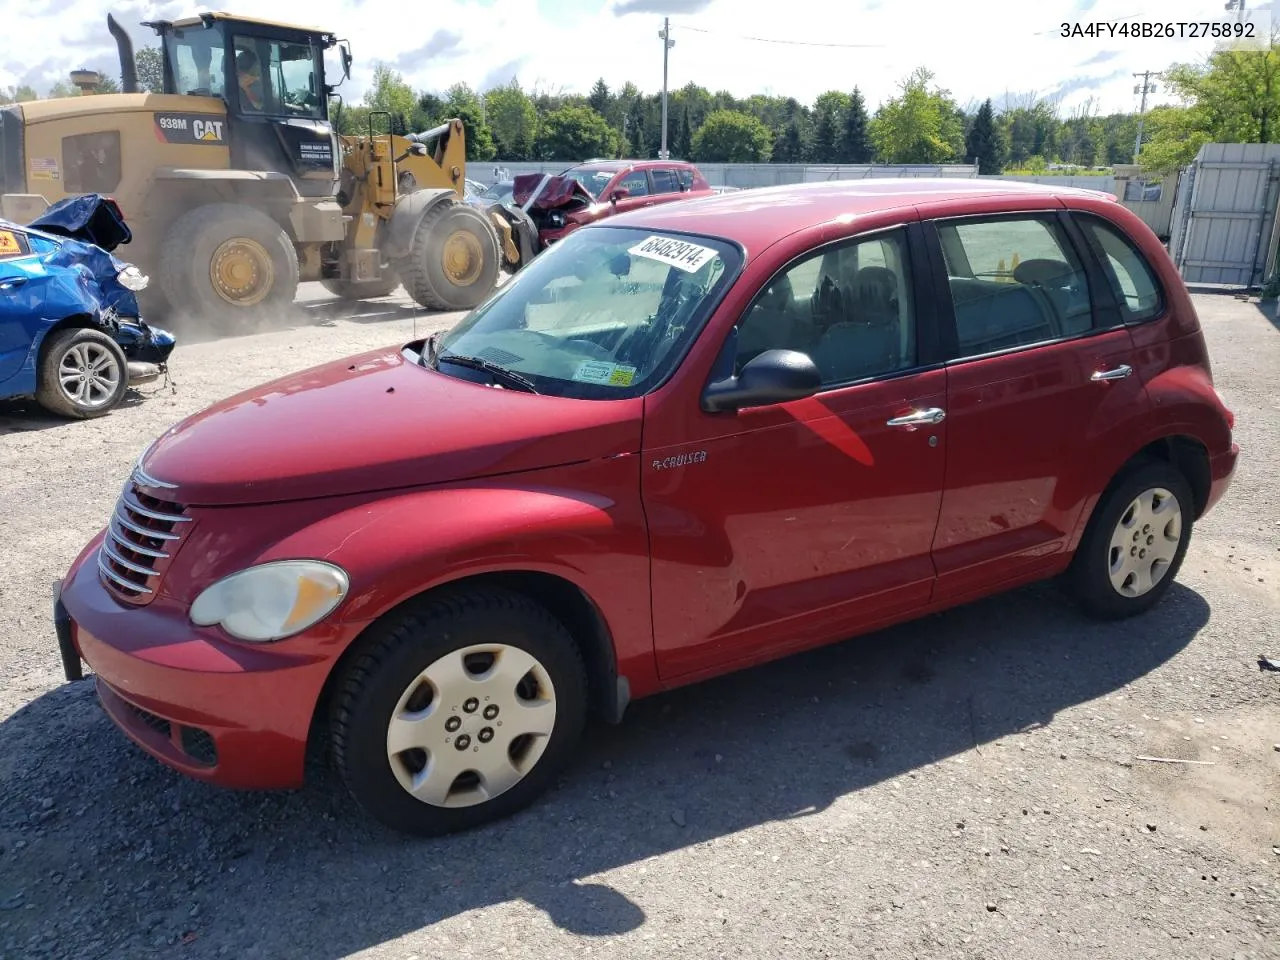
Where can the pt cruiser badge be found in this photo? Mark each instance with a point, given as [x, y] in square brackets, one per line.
[680, 460]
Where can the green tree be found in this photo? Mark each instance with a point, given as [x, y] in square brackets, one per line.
[108, 84]
[150, 66]
[921, 125]
[461, 102]
[575, 133]
[513, 120]
[389, 92]
[637, 135]
[984, 144]
[19, 94]
[789, 148]
[63, 89]
[430, 111]
[855, 144]
[599, 99]
[828, 110]
[1232, 97]
[731, 136]
[684, 136]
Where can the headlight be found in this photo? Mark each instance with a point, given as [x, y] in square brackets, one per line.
[131, 278]
[273, 600]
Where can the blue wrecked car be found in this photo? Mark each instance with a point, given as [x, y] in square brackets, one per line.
[71, 332]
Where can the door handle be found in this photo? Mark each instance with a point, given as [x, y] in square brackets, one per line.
[1119, 373]
[932, 415]
[12, 283]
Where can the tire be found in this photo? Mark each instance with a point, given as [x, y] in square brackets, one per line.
[388, 674]
[67, 352]
[1089, 580]
[364, 290]
[187, 265]
[423, 269]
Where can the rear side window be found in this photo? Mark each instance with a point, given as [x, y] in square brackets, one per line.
[1014, 282]
[664, 181]
[1131, 277]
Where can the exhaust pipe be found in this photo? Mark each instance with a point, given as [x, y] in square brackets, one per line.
[128, 67]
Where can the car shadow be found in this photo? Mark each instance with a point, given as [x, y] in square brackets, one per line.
[24, 415]
[1269, 309]
[99, 819]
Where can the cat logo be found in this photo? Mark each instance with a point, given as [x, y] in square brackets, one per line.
[207, 130]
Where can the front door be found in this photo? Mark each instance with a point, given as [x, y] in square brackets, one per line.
[1036, 366]
[798, 523]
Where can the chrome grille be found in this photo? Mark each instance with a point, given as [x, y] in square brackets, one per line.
[142, 536]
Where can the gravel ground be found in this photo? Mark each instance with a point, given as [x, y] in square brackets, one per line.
[966, 786]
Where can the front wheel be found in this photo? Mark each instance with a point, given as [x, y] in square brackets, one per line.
[453, 262]
[458, 712]
[1135, 543]
[83, 374]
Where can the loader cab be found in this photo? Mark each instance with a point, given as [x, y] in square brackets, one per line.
[271, 77]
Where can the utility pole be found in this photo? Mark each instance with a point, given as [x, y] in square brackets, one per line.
[667, 43]
[1144, 88]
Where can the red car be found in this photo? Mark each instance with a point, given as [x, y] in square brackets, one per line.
[597, 189]
[694, 438]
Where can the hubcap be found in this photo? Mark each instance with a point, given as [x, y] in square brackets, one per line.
[471, 725]
[89, 375]
[462, 258]
[1144, 542]
[241, 271]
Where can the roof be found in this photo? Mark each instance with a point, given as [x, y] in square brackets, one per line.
[757, 217]
[627, 164]
[197, 19]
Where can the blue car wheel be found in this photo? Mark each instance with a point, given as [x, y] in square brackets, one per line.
[83, 373]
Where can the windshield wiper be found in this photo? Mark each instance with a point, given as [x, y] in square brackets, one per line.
[497, 372]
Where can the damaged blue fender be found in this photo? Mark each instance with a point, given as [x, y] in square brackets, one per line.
[53, 274]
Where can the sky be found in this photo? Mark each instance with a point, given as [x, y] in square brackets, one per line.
[800, 48]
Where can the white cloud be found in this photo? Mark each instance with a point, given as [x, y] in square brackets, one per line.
[976, 49]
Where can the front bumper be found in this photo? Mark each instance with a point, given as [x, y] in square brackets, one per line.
[225, 713]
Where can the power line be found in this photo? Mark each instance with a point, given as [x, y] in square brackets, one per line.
[794, 43]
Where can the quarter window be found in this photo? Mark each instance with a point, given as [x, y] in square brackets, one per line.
[1014, 282]
[1131, 277]
[848, 307]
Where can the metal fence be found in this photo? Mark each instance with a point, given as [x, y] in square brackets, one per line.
[747, 175]
[1225, 229]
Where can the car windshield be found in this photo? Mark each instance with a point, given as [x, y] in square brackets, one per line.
[498, 191]
[605, 314]
[593, 180]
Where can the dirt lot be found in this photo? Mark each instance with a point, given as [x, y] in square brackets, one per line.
[962, 787]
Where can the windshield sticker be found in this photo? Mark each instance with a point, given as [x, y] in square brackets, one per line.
[600, 371]
[687, 256]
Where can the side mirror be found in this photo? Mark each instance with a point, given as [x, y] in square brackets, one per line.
[346, 62]
[775, 376]
[620, 194]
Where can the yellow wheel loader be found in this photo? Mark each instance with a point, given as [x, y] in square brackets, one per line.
[237, 188]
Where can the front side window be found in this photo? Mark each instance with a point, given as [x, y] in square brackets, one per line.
[606, 313]
[848, 307]
[279, 78]
[636, 183]
[1014, 282]
[197, 56]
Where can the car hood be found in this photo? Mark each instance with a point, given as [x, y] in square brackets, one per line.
[377, 421]
[559, 191]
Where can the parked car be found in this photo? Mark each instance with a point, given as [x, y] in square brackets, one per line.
[499, 192]
[597, 189]
[690, 439]
[71, 333]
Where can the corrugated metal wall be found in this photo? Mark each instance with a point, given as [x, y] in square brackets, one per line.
[1223, 227]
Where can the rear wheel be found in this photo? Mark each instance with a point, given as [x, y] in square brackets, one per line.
[453, 261]
[458, 712]
[1135, 542]
[83, 373]
[230, 265]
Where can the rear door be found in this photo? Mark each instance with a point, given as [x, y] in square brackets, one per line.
[22, 287]
[1038, 358]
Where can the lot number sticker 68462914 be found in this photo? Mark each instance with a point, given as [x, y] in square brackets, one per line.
[690, 257]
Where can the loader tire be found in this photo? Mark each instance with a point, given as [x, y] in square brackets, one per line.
[229, 265]
[454, 261]
[384, 286]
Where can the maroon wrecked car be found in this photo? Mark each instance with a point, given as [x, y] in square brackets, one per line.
[600, 188]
